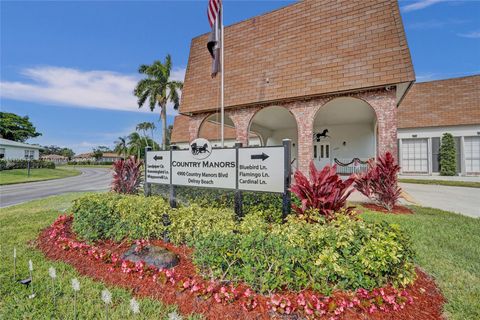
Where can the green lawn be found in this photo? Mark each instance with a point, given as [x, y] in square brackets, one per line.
[470, 184]
[19, 226]
[447, 245]
[21, 176]
[448, 248]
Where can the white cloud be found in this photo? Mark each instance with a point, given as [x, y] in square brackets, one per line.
[420, 4]
[73, 87]
[472, 35]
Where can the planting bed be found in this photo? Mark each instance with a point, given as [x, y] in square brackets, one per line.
[184, 287]
[397, 209]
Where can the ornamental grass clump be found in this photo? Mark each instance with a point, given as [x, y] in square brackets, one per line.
[126, 175]
[324, 193]
[380, 181]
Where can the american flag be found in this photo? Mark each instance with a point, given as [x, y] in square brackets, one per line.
[213, 45]
[213, 11]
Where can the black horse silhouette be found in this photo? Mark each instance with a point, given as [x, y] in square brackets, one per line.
[323, 134]
[199, 149]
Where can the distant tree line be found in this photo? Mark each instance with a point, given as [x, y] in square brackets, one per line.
[61, 151]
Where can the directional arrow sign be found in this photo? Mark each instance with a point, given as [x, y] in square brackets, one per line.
[261, 169]
[262, 156]
[158, 167]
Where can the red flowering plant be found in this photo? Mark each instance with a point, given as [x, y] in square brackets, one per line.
[280, 304]
[324, 193]
[226, 295]
[380, 181]
[140, 245]
[126, 175]
[250, 301]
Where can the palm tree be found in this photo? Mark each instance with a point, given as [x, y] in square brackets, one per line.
[159, 89]
[121, 147]
[144, 127]
[152, 128]
[135, 144]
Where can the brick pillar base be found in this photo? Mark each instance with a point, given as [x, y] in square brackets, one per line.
[241, 119]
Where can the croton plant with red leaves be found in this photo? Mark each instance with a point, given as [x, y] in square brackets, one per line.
[126, 175]
[380, 181]
[306, 304]
[325, 192]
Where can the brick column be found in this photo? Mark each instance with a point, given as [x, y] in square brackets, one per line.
[384, 104]
[304, 113]
[241, 119]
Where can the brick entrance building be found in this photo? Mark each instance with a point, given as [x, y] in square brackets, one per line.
[327, 74]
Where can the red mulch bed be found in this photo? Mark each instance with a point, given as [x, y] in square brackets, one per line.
[427, 299]
[396, 209]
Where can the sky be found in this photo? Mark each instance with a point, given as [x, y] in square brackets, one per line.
[71, 66]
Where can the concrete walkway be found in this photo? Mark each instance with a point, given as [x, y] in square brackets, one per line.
[461, 200]
[444, 178]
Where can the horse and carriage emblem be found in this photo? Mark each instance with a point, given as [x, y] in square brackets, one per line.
[200, 148]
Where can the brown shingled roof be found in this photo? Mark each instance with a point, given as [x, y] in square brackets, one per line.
[441, 103]
[309, 48]
[208, 130]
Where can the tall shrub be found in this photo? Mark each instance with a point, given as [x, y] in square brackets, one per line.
[325, 192]
[448, 159]
[126, 175]
[380, 181]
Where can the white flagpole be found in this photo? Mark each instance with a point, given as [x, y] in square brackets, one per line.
[222, 64]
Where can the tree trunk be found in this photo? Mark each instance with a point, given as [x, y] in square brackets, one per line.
[153, 141]
[163, 116]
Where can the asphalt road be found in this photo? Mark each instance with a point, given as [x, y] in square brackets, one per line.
[462, 200]
[91, 179]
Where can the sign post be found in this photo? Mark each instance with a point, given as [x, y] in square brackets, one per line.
[261, 169]
[287, 199]
[238, 193]
[172, 190]
[146, 186]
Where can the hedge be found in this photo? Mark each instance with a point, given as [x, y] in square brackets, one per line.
[269, 256]
[118, 217]
[23, 164]
[344, 254]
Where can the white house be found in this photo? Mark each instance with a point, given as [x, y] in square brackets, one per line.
[55, 158]
[13, 150]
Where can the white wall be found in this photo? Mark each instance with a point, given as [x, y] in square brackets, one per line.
[437, 132]
[14, 153]
[359, 138]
